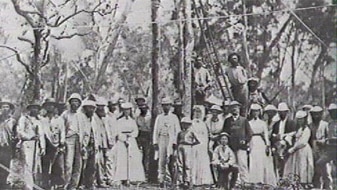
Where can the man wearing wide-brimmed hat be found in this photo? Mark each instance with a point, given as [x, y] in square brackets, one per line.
[281, 138]
[74, 140]
[166, 129]
[7, 136]
[53, 161]
[31, 135]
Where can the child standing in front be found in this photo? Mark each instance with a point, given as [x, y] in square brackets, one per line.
[186, 140]
[225, 162]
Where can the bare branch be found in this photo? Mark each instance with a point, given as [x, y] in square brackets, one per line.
[26, 40]
[46, 61]
[69, 36]
[23, 13]
[18, 58]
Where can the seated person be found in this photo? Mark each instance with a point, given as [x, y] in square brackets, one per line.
[225, 161]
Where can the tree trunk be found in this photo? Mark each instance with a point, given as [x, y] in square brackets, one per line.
[188, 50]
[112, 44]
[154, 70]
[318, 62]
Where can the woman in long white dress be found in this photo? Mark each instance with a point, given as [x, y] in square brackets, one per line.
[261, 167]
[128, 158]
[201, 172]
[301, 161]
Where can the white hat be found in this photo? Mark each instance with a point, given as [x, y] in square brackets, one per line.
[226, 103]
[253, 79]
[216, 107]
[270, 107]
[307, 106]
[75, 96]
[282, 107]
[300, 114]
[126, 105]
[332, 106]
[316, 109]
[166, 100]
[235, 103]
[255, 107]
[87, 102]
[214, 100]
[101, 101]
[186, 120]
[223, 134]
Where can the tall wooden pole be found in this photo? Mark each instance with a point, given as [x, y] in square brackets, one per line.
[188, 50]
[154, 70]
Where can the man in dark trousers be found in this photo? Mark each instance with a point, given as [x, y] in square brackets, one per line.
[282, 137]
[240, 134]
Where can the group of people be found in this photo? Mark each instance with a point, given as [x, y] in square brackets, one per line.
[95, 142]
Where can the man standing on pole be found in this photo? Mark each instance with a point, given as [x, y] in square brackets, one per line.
[166, 129]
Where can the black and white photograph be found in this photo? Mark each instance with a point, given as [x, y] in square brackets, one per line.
[168, 94]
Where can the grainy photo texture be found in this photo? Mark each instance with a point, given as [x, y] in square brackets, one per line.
[168, 94]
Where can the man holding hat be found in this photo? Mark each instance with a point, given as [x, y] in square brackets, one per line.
[281, 136]
[240, 134]
[143, 121]
[166, 129]
[32, 142]
[53, 161]
[74, 138]
[7, 139]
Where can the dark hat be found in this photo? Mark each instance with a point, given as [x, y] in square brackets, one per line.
[49, 101]
[33, 105]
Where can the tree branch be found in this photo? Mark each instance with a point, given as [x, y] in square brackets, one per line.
[18, 58]
[24, 14]
[68, 36]
[26, 40]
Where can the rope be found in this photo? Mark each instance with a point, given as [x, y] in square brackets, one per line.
[202, 18]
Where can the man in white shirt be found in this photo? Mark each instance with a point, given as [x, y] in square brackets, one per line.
[166, 129]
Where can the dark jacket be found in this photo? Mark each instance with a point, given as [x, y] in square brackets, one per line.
[290, 126]
[239, 132]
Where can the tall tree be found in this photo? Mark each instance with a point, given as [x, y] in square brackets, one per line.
[47, 20]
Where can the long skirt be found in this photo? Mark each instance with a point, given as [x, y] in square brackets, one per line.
[201, 170]
[300, 163]
[128, 162]
[261, 168]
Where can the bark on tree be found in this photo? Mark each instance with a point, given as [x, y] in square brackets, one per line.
[319, 61]
[154, 70]
[188, 50]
